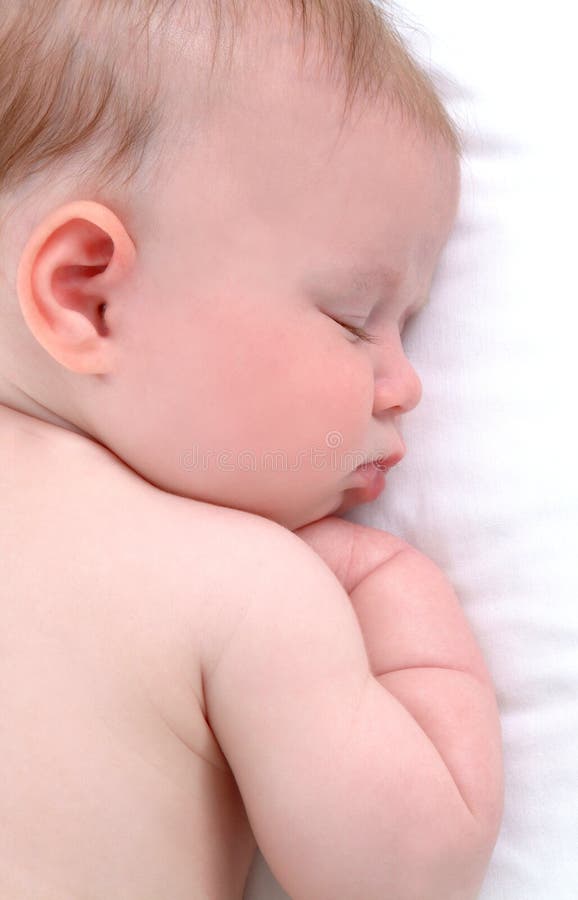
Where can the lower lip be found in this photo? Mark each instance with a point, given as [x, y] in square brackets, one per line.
[371, 481]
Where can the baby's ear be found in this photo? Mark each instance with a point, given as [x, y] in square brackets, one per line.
[68, 278]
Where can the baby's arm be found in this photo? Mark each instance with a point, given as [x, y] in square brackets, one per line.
[347, 793]
[421, 649]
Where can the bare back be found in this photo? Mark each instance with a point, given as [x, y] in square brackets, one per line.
[112, 780]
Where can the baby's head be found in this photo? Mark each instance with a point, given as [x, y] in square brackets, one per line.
[204, 207]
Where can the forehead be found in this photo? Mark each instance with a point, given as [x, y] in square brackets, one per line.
[270, 60]
[278, 155]
[297, 125]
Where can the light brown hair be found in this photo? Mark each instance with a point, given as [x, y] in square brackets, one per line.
[79, 85]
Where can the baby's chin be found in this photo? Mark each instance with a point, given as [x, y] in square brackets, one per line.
[292, 509]
[352, 499]
[350, 502]
[295, 515]
[337, 506]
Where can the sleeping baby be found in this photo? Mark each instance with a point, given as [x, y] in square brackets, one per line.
[208, 261]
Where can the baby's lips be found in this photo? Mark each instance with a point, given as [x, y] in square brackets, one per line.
[358, 496]
[385, 463]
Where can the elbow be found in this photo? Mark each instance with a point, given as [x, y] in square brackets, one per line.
[449, 871]
[455, 869]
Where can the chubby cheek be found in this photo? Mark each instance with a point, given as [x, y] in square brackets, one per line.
[297, 389]
[251, 388]
[351, 403]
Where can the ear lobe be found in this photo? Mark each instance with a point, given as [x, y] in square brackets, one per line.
[68, 276]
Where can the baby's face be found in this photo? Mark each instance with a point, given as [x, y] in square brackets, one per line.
[238, 386]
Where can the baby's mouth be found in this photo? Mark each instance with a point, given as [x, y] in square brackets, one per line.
[368, 483]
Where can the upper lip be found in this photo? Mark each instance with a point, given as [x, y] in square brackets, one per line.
[388, 462]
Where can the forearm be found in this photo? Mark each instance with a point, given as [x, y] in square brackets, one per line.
[422, 651]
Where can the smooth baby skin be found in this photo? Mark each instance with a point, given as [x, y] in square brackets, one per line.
[180, 672]
[113, 784]
[243, 663]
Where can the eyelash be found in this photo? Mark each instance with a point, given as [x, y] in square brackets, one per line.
[359, 333]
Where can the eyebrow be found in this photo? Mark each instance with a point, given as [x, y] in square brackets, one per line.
[363, 279]
[379, 279]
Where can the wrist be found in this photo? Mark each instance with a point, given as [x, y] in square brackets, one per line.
[351, 551]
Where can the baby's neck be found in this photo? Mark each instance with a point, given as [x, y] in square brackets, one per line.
[14, 399]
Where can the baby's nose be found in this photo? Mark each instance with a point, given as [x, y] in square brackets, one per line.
[397, 386]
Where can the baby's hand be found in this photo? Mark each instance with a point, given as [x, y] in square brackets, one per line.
[351, 551]
[359, 556]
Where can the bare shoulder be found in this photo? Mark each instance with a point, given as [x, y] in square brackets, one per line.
[184, 570]
[228, 561]
[200, 564]
[133, 551]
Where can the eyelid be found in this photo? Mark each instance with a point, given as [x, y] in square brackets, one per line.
[363, 335]
[360, 333]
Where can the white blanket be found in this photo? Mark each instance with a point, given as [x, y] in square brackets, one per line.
[489, 487]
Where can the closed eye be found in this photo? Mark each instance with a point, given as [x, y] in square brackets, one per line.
[359, 333]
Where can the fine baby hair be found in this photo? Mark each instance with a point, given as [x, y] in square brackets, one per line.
[85, 84]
